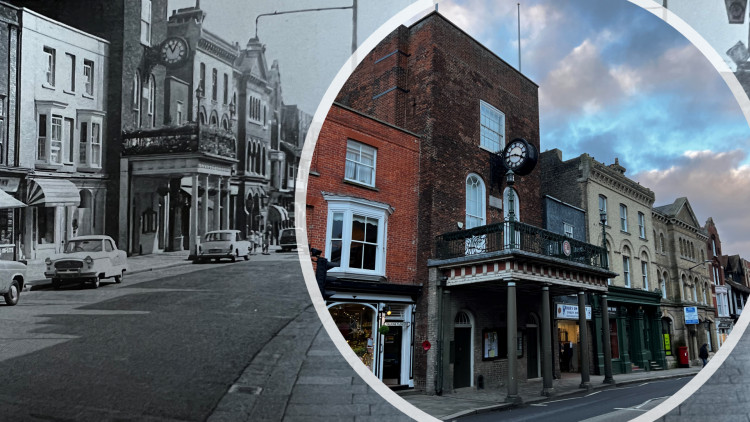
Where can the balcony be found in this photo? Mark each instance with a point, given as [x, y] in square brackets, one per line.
[189, 138]
[513, 236]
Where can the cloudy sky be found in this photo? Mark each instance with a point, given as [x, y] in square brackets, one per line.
[615, 81]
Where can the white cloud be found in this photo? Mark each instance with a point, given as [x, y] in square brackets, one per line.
[717, 185]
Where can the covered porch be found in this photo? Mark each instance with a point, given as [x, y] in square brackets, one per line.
[496, 318]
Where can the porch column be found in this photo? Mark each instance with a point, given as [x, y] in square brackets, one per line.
[584, 352]
[193, 232]
[547, 386]
[606, 342]
[57, 232]
[216, 224]
[510, 338]
[204, 207]
[227, 207]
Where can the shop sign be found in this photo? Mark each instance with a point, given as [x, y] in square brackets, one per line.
[691, 314]
[396, 324]
[564, 311]
[725, 324]
[9, 184]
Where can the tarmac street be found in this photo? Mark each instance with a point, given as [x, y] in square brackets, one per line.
[177, 341]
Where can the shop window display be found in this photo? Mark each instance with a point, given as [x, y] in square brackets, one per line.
[355, 322]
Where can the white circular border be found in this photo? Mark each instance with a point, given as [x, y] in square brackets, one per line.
[411, 11]
[420, 6]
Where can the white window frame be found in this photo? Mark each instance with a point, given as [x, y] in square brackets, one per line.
[641, 225]
[349, 206]
[51, 55]
[91, 151]
[56, 141]
[626, 270]
[88, 76]
[360, 149]
[488, 136]
[644, 270]
[568, 229]
[72, 70]
[624, 218]
[146, 22]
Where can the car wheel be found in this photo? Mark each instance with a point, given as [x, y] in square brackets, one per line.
[119, 278]
[95, 284]
[247, 256]
[11, 298]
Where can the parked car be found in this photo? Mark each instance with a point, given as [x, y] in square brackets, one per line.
[12, 276]
[223, 244]
[288, 239]
[88, 259]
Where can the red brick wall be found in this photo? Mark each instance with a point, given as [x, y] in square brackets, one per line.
[396, 184]
[440, 74]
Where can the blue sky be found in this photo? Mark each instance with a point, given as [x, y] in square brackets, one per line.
[618, 82]
[615, 81]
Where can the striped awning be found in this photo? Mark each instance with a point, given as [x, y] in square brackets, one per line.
[53, 192]
[7, 201]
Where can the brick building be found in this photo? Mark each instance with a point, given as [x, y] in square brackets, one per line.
[634, 296]
[362, 210]
[473, 252]
[723, 323]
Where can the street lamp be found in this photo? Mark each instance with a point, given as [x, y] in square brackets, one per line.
[232, 112]
[199, 95]
[699, 264]
[603, 220]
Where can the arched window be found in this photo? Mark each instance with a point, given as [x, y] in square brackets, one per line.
[663, 283]
[644, 270]
[152, 100]
[462, 320]
[507, 194]
[685, 291]
[137, 99]
[626, 265]
[475, 207]
[661, 243]
[214, 122]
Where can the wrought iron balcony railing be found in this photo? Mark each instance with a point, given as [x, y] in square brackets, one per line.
[173, 139]
[514, 235]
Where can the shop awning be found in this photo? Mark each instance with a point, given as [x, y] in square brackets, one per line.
[7, 201]
[53, 192]
[280, 211]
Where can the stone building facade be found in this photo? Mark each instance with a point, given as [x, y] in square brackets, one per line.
[681, 267]
[634, 295]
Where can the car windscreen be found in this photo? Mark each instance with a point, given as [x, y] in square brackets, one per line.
[83, 246]
[218, 236]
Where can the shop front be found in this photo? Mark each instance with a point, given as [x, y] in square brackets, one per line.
[11, 219]
[377, 320]
[569, 333]
[636, 337]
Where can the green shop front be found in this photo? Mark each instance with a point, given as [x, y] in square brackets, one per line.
[635, 330]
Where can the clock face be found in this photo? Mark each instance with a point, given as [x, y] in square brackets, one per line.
[515, 154]
[174, 51]
[520, 156]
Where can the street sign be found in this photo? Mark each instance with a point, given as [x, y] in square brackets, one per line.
[691, 315]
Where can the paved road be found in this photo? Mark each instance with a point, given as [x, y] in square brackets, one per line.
[616, 404]
[164, 345]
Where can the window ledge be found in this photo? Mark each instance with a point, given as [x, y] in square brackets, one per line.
[69, 92]
[47, 166]
[314, 173]
[89, 96]
[624, 232]
[361, 185]
[489, 150]
[48, 86]
[87, 169]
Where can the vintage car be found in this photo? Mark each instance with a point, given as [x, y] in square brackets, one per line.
[223, 244]
[288, 239]
[12, 277]
[87, 259]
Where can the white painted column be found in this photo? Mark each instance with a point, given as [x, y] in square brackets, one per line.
[227, 208]
[204, 207]
[216, 224]
[193, 232]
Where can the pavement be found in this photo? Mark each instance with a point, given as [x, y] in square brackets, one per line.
[469, 401]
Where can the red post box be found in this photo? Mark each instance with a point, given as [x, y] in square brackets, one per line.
[682, 356]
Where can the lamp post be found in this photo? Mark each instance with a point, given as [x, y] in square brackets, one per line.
[603, 220]
[232, 112]
[699, 264]
[199, 95]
